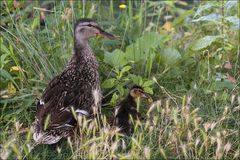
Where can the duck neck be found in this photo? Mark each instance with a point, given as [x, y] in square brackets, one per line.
[80, 44]
[83, 53]
[82, 50]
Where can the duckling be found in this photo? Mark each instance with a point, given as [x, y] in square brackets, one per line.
[76, 89]
[128, 107]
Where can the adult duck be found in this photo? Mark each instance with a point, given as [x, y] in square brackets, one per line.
[76, 89]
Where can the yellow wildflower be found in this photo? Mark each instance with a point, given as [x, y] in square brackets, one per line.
[168, 26]
[11, 89]
[122, 6]
[14, 68]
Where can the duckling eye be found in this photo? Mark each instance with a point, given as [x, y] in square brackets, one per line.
[137, 91]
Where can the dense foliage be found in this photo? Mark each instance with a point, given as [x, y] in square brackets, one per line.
[185, 54]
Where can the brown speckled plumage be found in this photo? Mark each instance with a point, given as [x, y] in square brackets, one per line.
[76, 88]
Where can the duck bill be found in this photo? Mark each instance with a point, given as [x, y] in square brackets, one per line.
[106, 34]
[147, 96]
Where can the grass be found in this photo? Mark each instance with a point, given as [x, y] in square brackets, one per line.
[194, 78]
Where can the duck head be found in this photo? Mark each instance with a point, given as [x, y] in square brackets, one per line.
[88, 28]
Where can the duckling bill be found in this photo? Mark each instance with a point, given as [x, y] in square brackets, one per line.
[76, 89]
[128, 107]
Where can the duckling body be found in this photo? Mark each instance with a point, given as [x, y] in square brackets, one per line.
[128, 108]
[123, 111]
[76, 89]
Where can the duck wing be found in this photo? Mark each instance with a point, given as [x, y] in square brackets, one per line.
[62, 93]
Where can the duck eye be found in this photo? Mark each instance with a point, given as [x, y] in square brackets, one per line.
[82, 29]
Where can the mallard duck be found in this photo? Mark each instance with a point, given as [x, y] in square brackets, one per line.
[76, 89]
[128, 107]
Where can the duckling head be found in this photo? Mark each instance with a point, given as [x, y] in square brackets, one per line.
[138, 91]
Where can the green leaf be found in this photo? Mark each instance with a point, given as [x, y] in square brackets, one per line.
[136, 79]
[4, 49]
[230, 4]
[114, 99]
[3, 60]
[180, 20]
[120, 90]
[35, 23]
[204, 42]
[170, 56]
[148, 83]
[6, 75]
[234, 20]
[141, 48]
[221, 85]
[169, 3]
[211, 17]
[148, 90]
[202, 8]
[125, 69]
[115, 58]
[150, 40]
[133, 53]
[109, 83]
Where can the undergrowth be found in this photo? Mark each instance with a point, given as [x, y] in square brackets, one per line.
[185, 54]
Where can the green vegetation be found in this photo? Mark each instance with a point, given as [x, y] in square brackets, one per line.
[186, 55]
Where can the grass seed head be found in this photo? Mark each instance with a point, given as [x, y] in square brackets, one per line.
[219, 150]
[197, 142]
[147, 152]
[227, 147]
